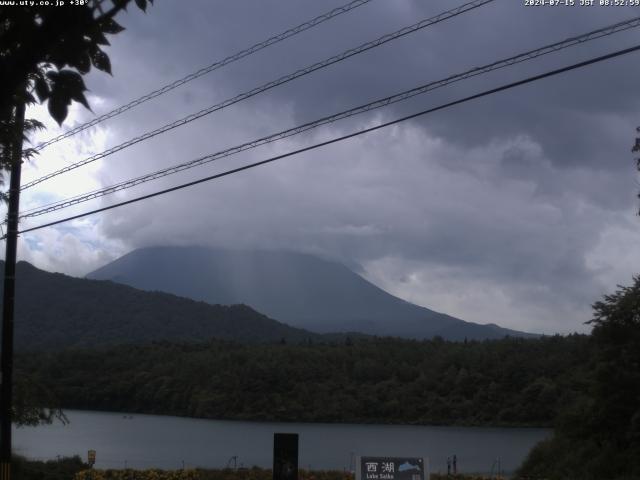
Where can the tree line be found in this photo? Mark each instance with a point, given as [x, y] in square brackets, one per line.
[519, 382]
[597, 435]
[586, 386]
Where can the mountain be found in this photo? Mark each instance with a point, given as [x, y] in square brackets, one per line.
[56, 311]
[299, 289]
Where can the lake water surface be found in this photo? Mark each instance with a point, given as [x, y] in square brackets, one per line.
[144, 441]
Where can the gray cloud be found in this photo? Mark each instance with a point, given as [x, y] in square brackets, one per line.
[515, 209]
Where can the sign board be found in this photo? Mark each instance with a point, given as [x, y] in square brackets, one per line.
[391, 468]
[91, 457]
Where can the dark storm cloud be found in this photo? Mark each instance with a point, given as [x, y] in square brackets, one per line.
[525, 196]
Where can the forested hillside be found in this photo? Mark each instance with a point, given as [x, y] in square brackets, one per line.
[298, 289]
[503, 382]
[56, 311]
[597, 436]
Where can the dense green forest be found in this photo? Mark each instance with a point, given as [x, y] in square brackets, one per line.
[55, 311]
[503, 382]
[65, 468]
[586, 386]
[597, 435]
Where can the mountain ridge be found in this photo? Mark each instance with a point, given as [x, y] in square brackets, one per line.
[55, 311]
[298, 289]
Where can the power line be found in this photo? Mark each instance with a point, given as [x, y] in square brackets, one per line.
[267, 86]
[522, 57]
[345, 137]
[210, 68]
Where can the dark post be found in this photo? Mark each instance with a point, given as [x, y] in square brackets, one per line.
[285, 456]
[6, 373]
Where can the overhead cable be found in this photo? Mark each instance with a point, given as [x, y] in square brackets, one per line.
[208, 69]
[343, 137]
[267, 86]
[513, 60]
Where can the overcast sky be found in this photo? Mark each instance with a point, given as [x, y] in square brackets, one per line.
[518, 208]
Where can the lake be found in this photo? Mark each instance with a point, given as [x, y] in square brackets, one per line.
[145, 441]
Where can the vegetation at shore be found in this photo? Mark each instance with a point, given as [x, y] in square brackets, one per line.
[57, 312]
[73, 468]
[506, 382]
[587, 386]
[65, 468]
[597, 435]
[254, 473]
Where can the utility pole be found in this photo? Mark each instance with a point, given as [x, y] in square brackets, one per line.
[6, 373]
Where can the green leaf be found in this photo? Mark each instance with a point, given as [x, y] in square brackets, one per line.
[120, 3]
[80, 98]
[99, 38]
[70, 80]
[58, 108]
[101, 61]
[111, 26]
[58, 61]
[42, 88]
[31, 124]
[142, 5]
[83, 63]
[66, 85]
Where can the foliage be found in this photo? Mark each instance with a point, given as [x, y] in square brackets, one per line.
[598, 436]
[55, 311]
[34, 404]
[45, 50]
[504, 382]
[636, 149]
[463, 476]
[254, 473]
[63, 469]
[131, 474]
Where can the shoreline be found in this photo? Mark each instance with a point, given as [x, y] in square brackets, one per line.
[322, 422]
